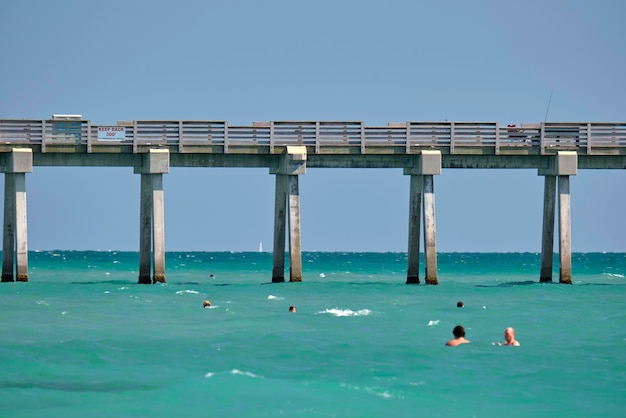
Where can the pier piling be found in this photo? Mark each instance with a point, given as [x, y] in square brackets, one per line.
[152, 216]
[422, 196]
[15, 240]
[562, 165]
[290, 165]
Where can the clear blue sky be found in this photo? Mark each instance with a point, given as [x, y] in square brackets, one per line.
[378, 62]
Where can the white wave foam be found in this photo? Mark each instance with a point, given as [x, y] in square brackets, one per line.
[180, 292]
[236, 371]
[619, 276]
[322, 275]
[272, 297]
[42, 302]
[433, 322]
[345, 312]
[209, 374]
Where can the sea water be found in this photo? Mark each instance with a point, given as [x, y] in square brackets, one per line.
[82, 338]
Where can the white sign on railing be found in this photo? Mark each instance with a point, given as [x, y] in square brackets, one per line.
[111, 133]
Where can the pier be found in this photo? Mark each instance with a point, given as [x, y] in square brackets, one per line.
[557, 150]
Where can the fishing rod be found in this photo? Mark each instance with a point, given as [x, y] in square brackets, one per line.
[548, 108]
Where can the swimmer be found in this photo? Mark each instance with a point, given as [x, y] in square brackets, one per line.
[459, 337]
[460, 304]
[206, 304]
[292, 309]
[509, 337]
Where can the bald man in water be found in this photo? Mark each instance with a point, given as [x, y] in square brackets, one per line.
[509, 337]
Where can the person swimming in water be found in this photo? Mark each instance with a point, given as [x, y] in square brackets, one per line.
[459, 337]
[509, 337]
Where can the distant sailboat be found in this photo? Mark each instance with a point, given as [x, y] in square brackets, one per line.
[261, 246]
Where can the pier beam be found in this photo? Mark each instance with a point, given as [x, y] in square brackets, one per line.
[563, 165]
[152, 216]
[291, 164]
[425, 166]
[15, 238]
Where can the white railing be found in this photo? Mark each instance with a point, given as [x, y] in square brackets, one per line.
[451, 137]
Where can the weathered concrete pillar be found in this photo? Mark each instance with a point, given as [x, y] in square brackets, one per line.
[290, 164]
[425, 166]
[295, 251]
[563, 165]
[158, 228]
[430, 236]
[415, 218]
[280, 207]
[152, 215]
[8, 243]
[565, 238]
[547, 241]
[145, 230]
[18, 163]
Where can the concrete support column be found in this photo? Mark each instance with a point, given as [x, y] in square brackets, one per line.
[15, 239]
[158, 228]
[21, 230]
[415, 215]
[547, 241]
[280, 207]
[8, 243]
[565, 239]
[422, 201]
[145, 230]
[563, 165]
[152, 216]
[295, 252]
[430, 236]
[290, 164]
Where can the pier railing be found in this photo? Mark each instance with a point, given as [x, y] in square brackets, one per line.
[325, 137]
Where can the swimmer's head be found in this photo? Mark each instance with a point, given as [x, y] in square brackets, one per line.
[460, 304]
[292, 309]
[206, 304]
[458, 331]
[509, 334]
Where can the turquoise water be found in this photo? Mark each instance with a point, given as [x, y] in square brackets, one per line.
[81, 338]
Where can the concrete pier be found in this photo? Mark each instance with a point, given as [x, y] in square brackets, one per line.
[563, 165]
[152, 216]
[415, 217]
[290, 164]
[15, 239]
[547, 241]
[430, 236]
[421, 148]
[422, 196]
[565, 238]
[280, 220]
[295, 250]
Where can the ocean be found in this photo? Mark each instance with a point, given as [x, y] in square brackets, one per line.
[82, 338]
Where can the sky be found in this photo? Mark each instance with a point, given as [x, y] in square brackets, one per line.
[372, 61]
